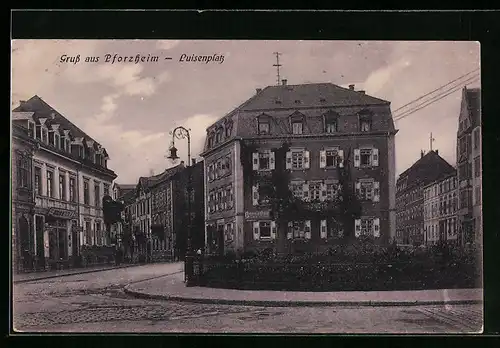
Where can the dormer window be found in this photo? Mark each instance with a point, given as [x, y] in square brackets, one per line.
[365, 125]
[45, 135]
[365, 121]
[297, 127]
[263, 127]
[31, 129]
[211, 139]
[57, 140]
[218, 135]
[229, 128]
[331, 122]
[68, 144]
[38, 132]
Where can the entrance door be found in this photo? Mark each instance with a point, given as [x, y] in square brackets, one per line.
[25, 242]
[40, 248]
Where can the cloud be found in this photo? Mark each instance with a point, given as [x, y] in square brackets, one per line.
[167, 44]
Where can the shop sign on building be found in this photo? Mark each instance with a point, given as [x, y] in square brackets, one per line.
[62, 213]
[257, 215]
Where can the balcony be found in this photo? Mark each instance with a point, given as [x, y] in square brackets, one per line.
[48, 202]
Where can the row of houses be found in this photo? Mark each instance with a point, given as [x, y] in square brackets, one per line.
[440, 202]
[59, 176]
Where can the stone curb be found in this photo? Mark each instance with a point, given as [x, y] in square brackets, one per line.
[264, 303]
[83, 271]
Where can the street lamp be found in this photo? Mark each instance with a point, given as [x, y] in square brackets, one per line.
[183, 133]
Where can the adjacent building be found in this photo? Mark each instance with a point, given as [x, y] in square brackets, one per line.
[469, 159]
[23, 200]
[440, 210]
[70, 175]
[322, 123]
[430, 168]
[120, 190]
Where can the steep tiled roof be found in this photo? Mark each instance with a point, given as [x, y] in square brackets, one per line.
[41, 109]
[473, 96]
[151, 181]
[427, 169]
[21, 132]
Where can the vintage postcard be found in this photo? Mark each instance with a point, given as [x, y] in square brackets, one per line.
[246, 186]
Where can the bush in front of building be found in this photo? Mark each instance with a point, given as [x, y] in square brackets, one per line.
[361, 266]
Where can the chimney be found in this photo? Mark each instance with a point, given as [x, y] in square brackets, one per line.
[351, 87]
[422, 153]
[182, 163]
[362, 92]
[283, 82]
[258, 90]
[193, 161]
[437, 152]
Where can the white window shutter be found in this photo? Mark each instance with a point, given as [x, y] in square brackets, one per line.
[322, 159]
[255, 194]
[255, 160]
[376, 227]
[357, 158]
[322, 230]
[322, 196]
[358, 187]
[273, 229]
[307, 227]
[256, 230]
[272, 164]
[376, 191]
[341, 158]
[357, 228]
[305, 189]
[375, 157]
[290, 230]
[307, 160]
[288, 164]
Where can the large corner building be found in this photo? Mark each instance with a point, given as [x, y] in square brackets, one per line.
[322, 123]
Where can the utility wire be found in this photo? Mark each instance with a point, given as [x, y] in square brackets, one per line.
[431, 101]
[437, 89]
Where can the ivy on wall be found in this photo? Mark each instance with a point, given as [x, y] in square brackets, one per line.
[284, 206]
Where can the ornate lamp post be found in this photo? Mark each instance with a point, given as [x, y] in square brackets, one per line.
[183, 133]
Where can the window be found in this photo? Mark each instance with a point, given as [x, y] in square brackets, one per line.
[86, 192]
[315, 191]
[45, 135]
[31, 129]
[218, 135]
[477, 167]
[81, 151]
[98, 234]
[52, 140]
[297, 189]
[331, 126]
[331, 191]
[97, 194]
[264, 158]
[297, 127]
[476, 138]
[331, 158]
[62, 186]
[57, 141]
[297, 159]
[88, 233]
[23, 171]
[477, 195]
[72, 189]
[365, 125]
[38, 181]
[265, 229]
[367, 157]
[263, 127]
[38, 132]
[50, 183]
[106, 190]
[365, 190]
[68, 145]
[298, 229]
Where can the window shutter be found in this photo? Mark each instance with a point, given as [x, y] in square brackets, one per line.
[256, 230]
[322, 159]
[375, 157]
[357, 228]
[358, 187]
[273, 229]
[288, 160]
[322, 230]
[255, 194]
[290, 230]
[322, 196]
[305, 189]
[341, 158]
[224, 205]
[376, 227]
[307, 228]
[255, 160]
[376, 191]
[306, 160]
[272, 165]
[357, 157]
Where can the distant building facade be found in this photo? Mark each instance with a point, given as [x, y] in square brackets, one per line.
[440, 210]
[322, 124]
[70, 177]
[469, 159]
[410, 195]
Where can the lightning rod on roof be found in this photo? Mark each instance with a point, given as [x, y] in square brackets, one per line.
[277, 65]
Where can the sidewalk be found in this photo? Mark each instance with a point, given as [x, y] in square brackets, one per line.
[173, 288]
[32, 276]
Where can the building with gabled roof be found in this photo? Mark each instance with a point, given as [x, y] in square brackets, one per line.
[469, 159]
[322, 123]
[410, 185]
[70, 177]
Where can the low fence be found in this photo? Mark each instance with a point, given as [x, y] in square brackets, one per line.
[407, 275]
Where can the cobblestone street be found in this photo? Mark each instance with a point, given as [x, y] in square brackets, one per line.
[95, 302]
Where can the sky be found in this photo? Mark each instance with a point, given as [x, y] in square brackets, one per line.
[130, 107]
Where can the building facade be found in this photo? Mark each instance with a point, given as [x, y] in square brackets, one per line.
[322, 124]
[23, 201]
[469, 166]
[440, 210]
[70, 177]
[410, 196]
